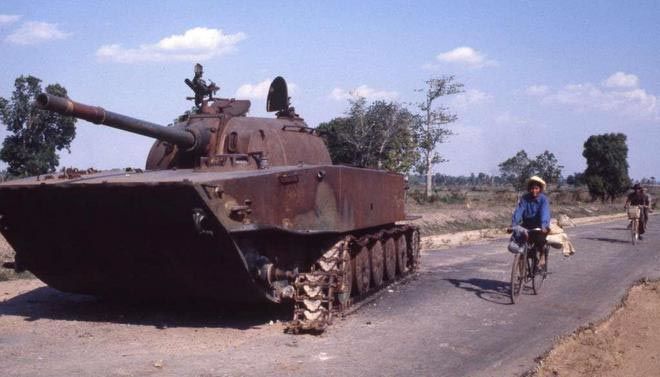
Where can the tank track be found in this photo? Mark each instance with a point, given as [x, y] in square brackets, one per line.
[326, 290]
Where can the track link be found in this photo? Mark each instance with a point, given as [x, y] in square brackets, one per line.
[325, 290]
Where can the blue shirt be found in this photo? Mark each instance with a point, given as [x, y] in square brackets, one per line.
[532, 212]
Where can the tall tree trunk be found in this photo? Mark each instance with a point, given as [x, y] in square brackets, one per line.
[429, 155]
[429, 175]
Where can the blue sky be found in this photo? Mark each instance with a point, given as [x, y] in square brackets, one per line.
[538, 76]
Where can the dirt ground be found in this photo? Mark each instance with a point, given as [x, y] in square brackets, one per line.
[625, 344]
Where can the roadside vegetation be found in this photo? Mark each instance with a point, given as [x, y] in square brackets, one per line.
[465, 207]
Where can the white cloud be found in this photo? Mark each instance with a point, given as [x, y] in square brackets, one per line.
[197, 44]
[621, 80]
[467, 56]
[470, 97]
[36, 32]
[363, 91]
[621, 98]
[255, 91]
[507, 118]
[6, 19]
[537, 90]
[260, 90]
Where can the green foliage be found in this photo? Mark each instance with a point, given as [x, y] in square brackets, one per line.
[454, 197]
[35, 135]
[517, 169]
[607, 166]
[547, 167]
[378, 135]
[576, 179]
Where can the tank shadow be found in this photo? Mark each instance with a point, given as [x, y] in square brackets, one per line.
[45, 302]
[604, 239]
[495, 291]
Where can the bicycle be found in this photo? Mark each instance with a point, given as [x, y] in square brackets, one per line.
[526, 269]
[634, 215]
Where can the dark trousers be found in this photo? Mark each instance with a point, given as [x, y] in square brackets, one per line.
[643, 219]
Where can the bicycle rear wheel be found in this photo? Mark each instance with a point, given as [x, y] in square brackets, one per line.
[540, 274]
[518, 270]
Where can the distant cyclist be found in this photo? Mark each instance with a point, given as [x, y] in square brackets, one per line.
[639, 198]
[533, 211]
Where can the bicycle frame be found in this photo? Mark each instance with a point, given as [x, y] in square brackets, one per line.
[525, 266]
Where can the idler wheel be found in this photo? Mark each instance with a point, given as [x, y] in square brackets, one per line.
[362, 271]
[377, 265]
[401, 254]
[346, 283]
[390, 259]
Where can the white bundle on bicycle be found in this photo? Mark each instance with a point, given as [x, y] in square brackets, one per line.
[633, 212]
[558, 239]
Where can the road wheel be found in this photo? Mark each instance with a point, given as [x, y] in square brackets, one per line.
[414, 252]
[517, 275]
[377, 263]
[390, 259]
[346, 283]
[401, 254]
[361, 271]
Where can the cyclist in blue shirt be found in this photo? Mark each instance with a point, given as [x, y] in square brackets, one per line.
[533, 211]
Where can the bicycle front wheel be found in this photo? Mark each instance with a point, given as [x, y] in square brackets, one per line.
[518, 270]
[634, 228]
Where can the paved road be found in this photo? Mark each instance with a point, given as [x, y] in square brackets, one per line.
[453, 319]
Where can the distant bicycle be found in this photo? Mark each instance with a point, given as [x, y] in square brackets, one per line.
[525, 270]
[634, 215]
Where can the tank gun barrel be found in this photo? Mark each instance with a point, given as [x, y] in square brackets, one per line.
[184, 138]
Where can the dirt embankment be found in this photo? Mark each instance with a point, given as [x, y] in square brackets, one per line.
[625, 344]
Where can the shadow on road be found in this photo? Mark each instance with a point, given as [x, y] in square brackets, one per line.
[611, 240]
[49, 303]
[490, 290]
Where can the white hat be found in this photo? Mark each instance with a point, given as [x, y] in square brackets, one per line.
[538, 180]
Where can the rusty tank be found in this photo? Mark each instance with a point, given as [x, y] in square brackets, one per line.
[229, 208]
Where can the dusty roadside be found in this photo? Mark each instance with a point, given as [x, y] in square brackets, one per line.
[625, 344]
[446, 240]
[622, 345]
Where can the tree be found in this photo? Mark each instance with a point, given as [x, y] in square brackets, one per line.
[517, 169]
[35, 135]
[431, 130]
[606, 175]
[575, 179]
[547, 167]
[378, 135]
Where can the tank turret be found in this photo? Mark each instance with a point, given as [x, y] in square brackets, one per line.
[216, 135]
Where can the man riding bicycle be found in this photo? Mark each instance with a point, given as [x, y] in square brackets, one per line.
[639, 198]
[533, 211]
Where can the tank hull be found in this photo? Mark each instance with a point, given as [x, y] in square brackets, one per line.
[186, 234]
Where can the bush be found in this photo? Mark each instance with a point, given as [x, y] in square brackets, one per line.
[453, 197]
